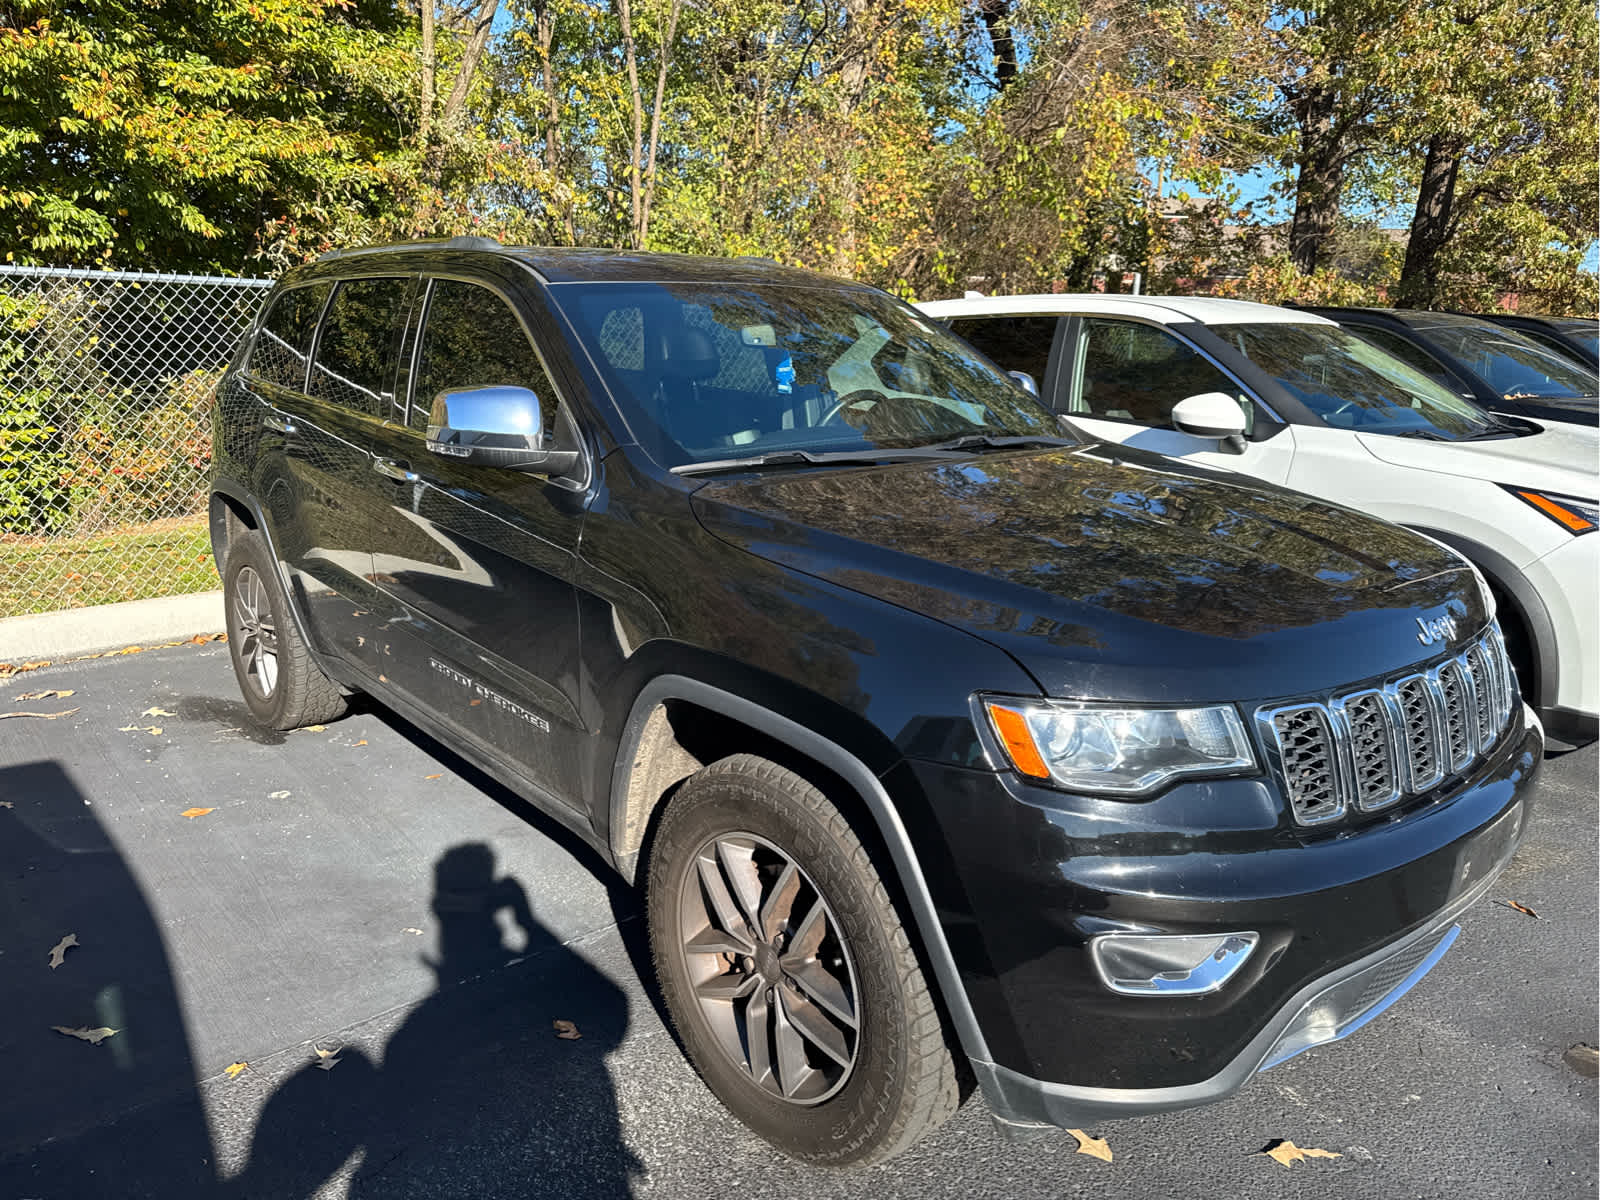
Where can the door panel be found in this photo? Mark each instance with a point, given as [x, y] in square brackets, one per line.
[1123, 380]
[478, 562]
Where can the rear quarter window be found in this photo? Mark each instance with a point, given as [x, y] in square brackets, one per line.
[279, 354]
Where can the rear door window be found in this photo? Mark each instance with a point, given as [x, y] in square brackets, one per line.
[356, 352]
[279, 354]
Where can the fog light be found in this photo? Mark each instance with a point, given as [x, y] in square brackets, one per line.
[1149, 964]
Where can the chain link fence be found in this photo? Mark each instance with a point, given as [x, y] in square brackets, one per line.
[106, 386]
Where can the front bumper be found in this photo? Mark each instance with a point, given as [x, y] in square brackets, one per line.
[1348, 923]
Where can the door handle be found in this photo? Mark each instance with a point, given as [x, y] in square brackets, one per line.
[398, 471]
[277, 422]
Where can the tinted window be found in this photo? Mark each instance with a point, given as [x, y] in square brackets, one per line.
[1134, 372]
[711, 372]
[1016, 343]
[1406, 351]
[1352, 384]
[473, 339]
[1510, 364]
[356, 352]
[279, 353]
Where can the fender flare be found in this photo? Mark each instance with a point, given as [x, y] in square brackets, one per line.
[1529, 604]
[868, 787]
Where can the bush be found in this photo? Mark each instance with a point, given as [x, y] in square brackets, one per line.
[35, 468]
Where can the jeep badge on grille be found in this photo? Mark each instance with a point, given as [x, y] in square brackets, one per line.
[1440, 629]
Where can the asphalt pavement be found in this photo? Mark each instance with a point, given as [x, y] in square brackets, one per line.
[384, 938]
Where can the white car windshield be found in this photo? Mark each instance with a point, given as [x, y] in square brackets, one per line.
[1352, 384]
[706, 373]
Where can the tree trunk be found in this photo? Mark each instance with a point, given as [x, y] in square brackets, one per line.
[1321, 178]
[425, 107]
[996, 16]
[630, 58]
[655, 119]
[1431, 223]
[469, 64]
[853, 75]
[544, 32]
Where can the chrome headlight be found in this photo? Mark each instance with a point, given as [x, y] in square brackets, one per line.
[1094, 747]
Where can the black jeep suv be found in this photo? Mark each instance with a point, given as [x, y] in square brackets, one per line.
[934, 732]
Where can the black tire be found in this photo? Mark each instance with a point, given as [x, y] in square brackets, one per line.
[901, 1080]
[282, 685]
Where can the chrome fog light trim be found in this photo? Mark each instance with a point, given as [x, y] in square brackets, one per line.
[1154, 964]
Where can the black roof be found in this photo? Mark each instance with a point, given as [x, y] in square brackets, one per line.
[582, 264]
[1416, 318]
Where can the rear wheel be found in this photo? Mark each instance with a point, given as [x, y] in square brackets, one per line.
[282, 685]
[787, 972]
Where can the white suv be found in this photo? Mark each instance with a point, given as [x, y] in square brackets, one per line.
[1291, 398]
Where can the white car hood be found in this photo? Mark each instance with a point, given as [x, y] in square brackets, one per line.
[1561, 458]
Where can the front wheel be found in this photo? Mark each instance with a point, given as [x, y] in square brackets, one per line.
[787, 971]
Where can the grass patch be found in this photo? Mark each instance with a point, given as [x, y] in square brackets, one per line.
[166, 558]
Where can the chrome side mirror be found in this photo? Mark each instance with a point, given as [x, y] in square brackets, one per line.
[495, 427]
[1025, 381]
[1212, 415]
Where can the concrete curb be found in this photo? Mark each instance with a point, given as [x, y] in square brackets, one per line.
[109, 627]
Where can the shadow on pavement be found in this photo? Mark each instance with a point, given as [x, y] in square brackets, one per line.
[60, 874]
[474, 1094]
[476, 1083]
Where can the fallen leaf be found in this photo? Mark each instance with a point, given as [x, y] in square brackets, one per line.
[234, 1070]
[315, 728]
[53, 694]
[1287, 1153]
[321, 1053]
[152, 730]
[58, 952]
[474, 703]
[1092, 1146]
[43, 716]
[6, 804]
[279, 795]
[362, 742]
[1583, 1058]
[439, 776]
[93, 1036]
[1521, 908]
[566, 1030]
[157, 712]
[192, 813]
[326, 1062]
[412, 929]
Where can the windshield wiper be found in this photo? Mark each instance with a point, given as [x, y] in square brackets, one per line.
[988, 441]
[801, 458]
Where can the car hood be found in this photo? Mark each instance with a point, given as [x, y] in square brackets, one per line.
[1114, 574]
[1560, 457]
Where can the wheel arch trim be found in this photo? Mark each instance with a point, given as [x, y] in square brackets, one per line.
[867, 786]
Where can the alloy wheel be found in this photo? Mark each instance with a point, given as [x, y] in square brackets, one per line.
[769, 967]
[256, 631]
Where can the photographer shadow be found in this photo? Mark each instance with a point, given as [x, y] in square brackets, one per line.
[475, 1093]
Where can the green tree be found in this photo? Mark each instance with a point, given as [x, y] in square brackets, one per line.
[184, 135]
[1502, 114]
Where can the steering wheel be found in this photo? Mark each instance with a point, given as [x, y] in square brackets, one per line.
[851, 400]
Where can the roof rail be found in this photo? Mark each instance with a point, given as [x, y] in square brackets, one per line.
[460, 242]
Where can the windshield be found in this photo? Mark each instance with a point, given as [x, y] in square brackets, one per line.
[1351, 384]
[1510, 363]
[708, 373]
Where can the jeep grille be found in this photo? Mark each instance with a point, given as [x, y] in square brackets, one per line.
[1367, 749]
